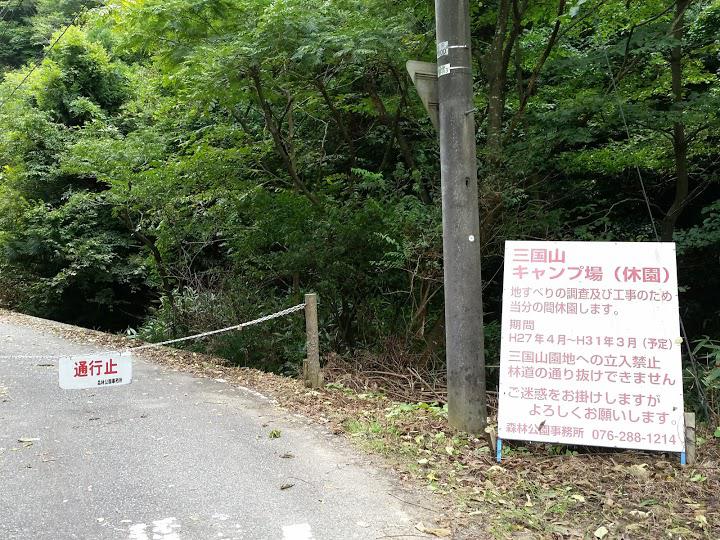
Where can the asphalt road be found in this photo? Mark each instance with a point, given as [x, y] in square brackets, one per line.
[173, 457]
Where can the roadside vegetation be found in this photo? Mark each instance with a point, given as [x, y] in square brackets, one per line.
[173, 166]
[537, 492]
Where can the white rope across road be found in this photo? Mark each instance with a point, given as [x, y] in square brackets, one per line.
[240, 326]
[282, 313]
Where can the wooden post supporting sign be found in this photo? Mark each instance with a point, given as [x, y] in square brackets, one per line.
[689, 439]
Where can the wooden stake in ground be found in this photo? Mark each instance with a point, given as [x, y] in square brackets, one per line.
[311, 366]
[690, 438]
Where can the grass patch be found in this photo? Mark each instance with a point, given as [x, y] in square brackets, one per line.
[540, 490]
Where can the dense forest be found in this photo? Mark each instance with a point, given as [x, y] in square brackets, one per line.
[170, 166]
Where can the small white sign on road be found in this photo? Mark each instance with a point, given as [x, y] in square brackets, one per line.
[590, 350]
[95, 370]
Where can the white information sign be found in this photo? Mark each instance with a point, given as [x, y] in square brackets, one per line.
[442, 49]
[443, 69]
[590, 347]
[95, 370]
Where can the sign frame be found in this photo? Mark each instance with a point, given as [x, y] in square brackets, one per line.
[95, 370]
[623, 266]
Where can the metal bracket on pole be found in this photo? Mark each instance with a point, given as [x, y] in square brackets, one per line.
[444, 48]
[446, 69]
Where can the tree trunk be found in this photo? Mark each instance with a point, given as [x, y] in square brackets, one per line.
[165, 280]
[282, 145]
[496, 72]
[680, 145]
[393, 124]
[339, 121]
[528, 92]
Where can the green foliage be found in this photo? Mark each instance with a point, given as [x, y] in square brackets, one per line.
[709, 351]
[704, 235]
[180, 165]
[73, 265]
[28, 25]
[433, 409]
[64, 253]
[702, 378]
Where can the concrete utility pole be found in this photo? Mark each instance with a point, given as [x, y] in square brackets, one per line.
[461, 222]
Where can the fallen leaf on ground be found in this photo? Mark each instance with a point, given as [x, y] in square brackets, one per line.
[701, 520]
[286, 486]
[439, 532]
[639, 470]
[639, 514]
[601, 532]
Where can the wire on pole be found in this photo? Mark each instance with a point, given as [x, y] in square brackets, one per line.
[6, 9]
[42, 59]
[684, 335]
